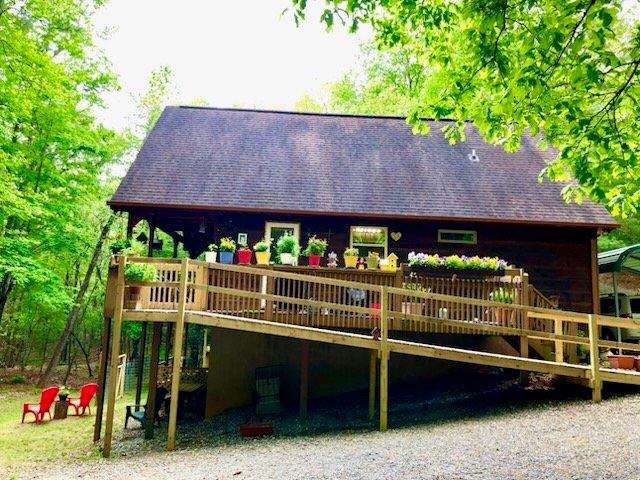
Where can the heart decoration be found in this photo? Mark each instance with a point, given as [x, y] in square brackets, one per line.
[395, 236]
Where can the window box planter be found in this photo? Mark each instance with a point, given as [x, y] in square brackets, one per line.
[624, 362]
[443, 272]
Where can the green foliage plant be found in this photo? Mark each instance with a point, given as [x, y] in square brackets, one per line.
[262, 246]
[351, 252]
[315, 246]
[287, 243]
[501, 295]
[227, 244]
[140, 272]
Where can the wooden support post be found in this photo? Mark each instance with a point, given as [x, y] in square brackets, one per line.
[373, 361]
[205, 346]
[304, 377]
[142, 353]
[596, 383]
[152, 236]
[167, 342]
[115, 352]
[177, 356]
[156, 339]
[559, 344]
[186, 349]
[384, 357]
[102, 378]
[525, 299]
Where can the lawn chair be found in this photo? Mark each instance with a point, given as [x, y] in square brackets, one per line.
[84, 400]
[140, 416]
[47, 397]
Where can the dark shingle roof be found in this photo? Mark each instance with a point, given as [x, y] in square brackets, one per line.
[228, 159]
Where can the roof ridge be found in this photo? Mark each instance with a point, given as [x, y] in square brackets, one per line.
[319, 114]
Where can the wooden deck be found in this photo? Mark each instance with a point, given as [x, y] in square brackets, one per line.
[363, 311]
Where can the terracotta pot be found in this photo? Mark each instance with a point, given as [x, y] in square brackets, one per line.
[350, 261]
[314, 260]
[244, 257]
[636, 363]
[262, 258]
[372, 262]
[624, 362]
[210, 257]
[502, 316]
[412, 308]
[226, 257]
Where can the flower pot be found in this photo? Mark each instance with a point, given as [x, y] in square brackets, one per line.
[286, 258]
[244, 257]
[226, 257]
[314, 260]
[262, 258]
[636, 363]
[412, 308]
[350, 261]
[372, 262]
[210, 257]
[624, 362]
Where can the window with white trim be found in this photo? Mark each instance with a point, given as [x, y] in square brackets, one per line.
[457, 236]
[369, 239]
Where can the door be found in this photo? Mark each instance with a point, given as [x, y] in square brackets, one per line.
[275, 230]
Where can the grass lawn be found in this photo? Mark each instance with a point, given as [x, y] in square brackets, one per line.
[27, 443]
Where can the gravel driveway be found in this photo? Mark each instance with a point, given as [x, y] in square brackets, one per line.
[509, 439]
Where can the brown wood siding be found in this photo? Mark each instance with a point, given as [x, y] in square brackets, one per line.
[558, 259]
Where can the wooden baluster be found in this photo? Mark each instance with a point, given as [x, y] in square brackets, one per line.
[596, 382]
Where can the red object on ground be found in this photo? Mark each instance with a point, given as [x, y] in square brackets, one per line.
[83, 402]
[314, 260]
[244, 256]
[47, 397]
[624, 362]
[256, 429]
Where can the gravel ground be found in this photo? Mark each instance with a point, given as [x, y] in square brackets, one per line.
[498, 432]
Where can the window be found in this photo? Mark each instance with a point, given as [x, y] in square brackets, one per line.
[457, 236]
[369, 239]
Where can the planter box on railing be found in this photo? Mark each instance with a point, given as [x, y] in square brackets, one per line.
[444, 272]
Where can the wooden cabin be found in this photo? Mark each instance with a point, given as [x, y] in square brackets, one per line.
[358, 181]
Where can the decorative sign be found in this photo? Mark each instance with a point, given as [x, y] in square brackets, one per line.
[242, 239]
[395, 236]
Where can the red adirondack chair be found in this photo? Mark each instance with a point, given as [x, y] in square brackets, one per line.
[47, 397]
[83, 401]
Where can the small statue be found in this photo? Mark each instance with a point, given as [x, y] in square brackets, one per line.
[361, 263]
[332, 260]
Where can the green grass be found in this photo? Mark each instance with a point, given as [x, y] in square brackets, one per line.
[57, 440]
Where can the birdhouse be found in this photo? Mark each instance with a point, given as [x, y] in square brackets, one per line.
[389, 264]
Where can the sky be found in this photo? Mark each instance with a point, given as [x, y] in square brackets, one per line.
[228, 53]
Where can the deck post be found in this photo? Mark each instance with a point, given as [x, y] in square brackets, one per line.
[102, 377]
[384, 357]
[115, 351]
[177, 356]
[594, 352]
[156, 338]
[525, 299]
[373, 360]
[304, 378]
[559, 344]
[141, 356]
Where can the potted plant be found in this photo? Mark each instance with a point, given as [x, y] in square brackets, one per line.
[63, 393]
[502, 315]
[373, 259]
[244, 254]
[137, 272]
[288, 249]
[413, 305]
[211, 253]
[460, 265]
[624, 362]
[351, 257]
[315, 250]
[227, 249]
[119, 245]
[263, 255]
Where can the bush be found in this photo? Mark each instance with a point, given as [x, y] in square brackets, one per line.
[227, 245]
[315, 246]
[140, 272]
[288, 244]
[16, 379]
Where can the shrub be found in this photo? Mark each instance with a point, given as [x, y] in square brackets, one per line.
[140, 272]
[227, 245]
[351, 252]
[315, 246]
[262, 246]
[120, 244]
[16, 379]
[501, 295]
[288, 244]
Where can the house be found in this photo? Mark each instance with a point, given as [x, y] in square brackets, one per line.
[364, 182]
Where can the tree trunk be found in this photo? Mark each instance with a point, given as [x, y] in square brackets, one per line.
[84, 353]
[6, 285]
[75, 310]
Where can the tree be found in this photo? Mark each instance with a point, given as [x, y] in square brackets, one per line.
[152, 102]
[565, 70]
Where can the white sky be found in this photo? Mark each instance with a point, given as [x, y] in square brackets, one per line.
[229, 53]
